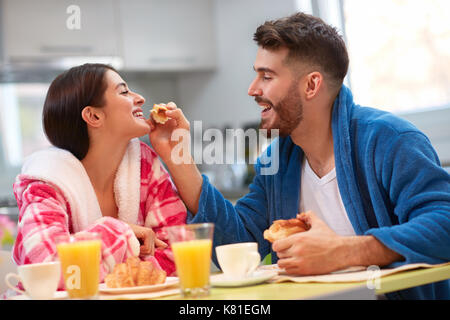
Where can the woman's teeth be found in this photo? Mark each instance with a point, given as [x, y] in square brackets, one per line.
[138, 114]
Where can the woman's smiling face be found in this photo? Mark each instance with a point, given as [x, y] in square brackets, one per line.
[123, 114]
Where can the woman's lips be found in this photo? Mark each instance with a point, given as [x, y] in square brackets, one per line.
[138, 114]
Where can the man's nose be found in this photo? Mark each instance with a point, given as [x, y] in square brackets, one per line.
[253, 90]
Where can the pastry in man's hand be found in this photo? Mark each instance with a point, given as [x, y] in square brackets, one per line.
[281, 229]
[159, 113]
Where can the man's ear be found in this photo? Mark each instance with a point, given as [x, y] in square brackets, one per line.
[92, 116]
[313, 83]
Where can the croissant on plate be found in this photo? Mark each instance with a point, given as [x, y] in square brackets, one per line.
[135, 272]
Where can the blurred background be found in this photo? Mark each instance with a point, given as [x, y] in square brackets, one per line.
[200, 54]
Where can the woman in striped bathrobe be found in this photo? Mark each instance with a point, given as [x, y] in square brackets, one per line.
[97, 176]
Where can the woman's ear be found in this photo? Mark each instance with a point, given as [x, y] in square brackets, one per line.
[92, 116]
[313, 84]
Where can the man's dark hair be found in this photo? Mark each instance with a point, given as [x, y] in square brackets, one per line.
[309, 40]
[67, 96]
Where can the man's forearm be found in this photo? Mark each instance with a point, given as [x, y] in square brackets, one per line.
[366, 251]
[188, 181]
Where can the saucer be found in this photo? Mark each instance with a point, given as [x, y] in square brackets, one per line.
[59, 295]
[259, 276]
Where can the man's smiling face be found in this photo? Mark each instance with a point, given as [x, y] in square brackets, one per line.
[276, 90]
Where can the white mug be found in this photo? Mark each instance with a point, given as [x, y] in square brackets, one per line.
[238, 260]
[40, 280]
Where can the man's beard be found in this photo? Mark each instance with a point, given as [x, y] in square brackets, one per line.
[289, 112]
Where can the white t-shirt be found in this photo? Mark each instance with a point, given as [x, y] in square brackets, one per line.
[322, 196]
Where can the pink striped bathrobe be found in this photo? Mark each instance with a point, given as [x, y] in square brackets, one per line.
[48, 208]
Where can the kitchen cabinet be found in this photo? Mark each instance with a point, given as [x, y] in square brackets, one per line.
[132, 35]
[36, 31]
[169, 35]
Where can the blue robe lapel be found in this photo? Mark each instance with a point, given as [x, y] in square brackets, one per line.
[291, 180]
[348, 186]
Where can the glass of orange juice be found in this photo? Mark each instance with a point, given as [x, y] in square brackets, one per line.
[79, 255]
[192, 247]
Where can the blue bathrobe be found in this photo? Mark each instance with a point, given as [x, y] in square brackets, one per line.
[390, 180]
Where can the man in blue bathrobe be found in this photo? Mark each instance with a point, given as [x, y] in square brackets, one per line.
[371, 182]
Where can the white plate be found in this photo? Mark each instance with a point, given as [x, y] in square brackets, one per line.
[259, 276]
[59, 295]
[170, 281]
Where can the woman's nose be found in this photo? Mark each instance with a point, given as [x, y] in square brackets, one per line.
[139, 100]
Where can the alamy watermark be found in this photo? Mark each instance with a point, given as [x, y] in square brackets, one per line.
[73, 21]
[230, 146]
[73, 277]
[373, 277]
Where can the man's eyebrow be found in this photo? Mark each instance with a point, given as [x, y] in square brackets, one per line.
[121, 84]
[262, 69]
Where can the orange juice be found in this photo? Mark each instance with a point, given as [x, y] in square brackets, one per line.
[80, 262]
[192, 259]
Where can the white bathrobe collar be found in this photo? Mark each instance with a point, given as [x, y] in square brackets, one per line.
[62, 169]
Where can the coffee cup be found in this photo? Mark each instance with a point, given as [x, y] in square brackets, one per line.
[40, 280]
[238, 260]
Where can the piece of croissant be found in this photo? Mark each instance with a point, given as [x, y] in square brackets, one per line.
[149, 275]
[110, 281]
[159, 113]
[135, 272]
[281, 229]
[133, 267]
[123, 276]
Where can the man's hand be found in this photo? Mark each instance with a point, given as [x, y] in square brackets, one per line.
[148, 240]
[171, 141]
[161, 134]
[320, 250]
[316, 251]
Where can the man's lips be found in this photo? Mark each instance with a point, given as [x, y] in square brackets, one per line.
[267, 105]
[266, 108]
[267, 111]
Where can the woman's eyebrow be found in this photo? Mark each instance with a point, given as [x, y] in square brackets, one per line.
[121, 84]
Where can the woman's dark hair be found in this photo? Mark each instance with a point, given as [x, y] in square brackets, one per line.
[309, 40]
[67, 96]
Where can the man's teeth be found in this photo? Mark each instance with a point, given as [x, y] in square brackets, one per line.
[138, 114]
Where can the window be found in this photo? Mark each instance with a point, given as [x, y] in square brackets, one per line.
[399, 52]
[399, 58]
[21, 122]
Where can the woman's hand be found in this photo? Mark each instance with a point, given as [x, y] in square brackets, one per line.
[165, 137]
[148, 240]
